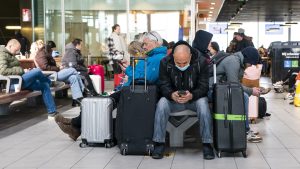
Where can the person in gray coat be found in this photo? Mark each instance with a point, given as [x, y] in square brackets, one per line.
[73, 58]
[231, 69]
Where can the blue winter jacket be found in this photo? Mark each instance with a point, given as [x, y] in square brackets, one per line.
[153, 60]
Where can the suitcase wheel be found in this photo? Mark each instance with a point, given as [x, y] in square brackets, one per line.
[244, 153]
[150, 148]
[219, 154]
[124, 149]
[108, 145]
[82, 145]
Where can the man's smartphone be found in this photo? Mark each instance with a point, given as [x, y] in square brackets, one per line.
[181, 93]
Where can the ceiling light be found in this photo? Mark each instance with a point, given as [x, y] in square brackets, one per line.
[212, 8]
[213, 3]
[211, 12]
[13, 27]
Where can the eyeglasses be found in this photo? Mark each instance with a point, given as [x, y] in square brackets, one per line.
[153, 36]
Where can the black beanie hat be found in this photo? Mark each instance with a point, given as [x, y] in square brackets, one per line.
[251, 55]
[215, 46]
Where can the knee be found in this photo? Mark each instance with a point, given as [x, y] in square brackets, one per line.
[162, 104]
[202, 105]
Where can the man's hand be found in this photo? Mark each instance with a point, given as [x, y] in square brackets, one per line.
[256, 91]
[182, 98]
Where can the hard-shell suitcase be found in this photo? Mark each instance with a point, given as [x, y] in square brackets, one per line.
[96, 121]
[229, 118]
[135, 119]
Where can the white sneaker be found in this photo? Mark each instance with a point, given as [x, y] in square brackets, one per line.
[278, 83]
[253, 138]
[289, 96]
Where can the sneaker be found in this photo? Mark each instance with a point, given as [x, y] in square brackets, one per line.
[61, 119]
[289, 96]
[158, 152]
[253, 132]
[279, 83]
[70, 130]
[264, 90]
[253, 138]
[57, 84]
[52, 115]
[208, 151]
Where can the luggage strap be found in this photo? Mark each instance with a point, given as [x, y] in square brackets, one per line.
[234, 117]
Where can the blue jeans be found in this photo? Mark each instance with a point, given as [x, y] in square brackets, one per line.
[165, 107]
[36, 80]
[71, 75]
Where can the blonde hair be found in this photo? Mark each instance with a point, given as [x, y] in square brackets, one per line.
[39, 43]
[135, 48]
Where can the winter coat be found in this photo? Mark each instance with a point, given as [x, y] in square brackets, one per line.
[153, 60]
[231, 69]
[9, 64]
[73, 58]
[194, 78]
[45, 61]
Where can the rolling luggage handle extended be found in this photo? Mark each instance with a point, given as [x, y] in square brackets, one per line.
[133, 59]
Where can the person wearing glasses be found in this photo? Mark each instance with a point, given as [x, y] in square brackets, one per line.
[152, 43]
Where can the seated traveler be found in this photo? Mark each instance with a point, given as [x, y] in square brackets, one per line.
[155, 52]
[32, 80]
[183, 82]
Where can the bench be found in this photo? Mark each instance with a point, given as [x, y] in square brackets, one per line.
[7, 97]
[177, 128]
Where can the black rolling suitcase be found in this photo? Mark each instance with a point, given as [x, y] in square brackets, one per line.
[135, 118]
[229, 118]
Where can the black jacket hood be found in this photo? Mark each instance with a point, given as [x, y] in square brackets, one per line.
[202, 40]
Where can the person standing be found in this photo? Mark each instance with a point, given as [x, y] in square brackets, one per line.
[117, 52]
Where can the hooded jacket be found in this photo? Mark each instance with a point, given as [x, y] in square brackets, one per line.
[73, 58]
[194, 78]
[201, 42]
[9, 64]
[153, 60]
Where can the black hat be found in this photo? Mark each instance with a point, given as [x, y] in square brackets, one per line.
[251, 55]
[51, 44]
[215, 46]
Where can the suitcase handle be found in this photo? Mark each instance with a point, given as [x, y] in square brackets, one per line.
[133, 59]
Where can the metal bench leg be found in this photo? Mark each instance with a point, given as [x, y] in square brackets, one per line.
[4, 109]
[177, 133]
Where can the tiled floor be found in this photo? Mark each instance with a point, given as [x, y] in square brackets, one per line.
[42, 145]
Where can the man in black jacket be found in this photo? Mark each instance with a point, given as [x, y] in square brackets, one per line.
[183, 82]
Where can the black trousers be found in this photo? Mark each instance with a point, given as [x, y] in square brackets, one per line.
[76, 122]
[87, 82]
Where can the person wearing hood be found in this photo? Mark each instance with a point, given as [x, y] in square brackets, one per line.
[231, 69]
[183, 82]
[73, 58]
[202, 42]
[31, 80]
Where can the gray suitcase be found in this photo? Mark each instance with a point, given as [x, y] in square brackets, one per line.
[96, 122]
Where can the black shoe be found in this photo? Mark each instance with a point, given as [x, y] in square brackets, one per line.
[158, 152]
[208, 151]
[76, 102]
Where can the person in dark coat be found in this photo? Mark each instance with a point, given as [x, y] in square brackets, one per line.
[183, 82]
[25, 44]
[73, 58]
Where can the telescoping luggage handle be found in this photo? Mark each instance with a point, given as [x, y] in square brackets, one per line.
[228, 97]
[133, 59]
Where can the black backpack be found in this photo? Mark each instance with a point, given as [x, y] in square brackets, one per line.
[262, 107]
